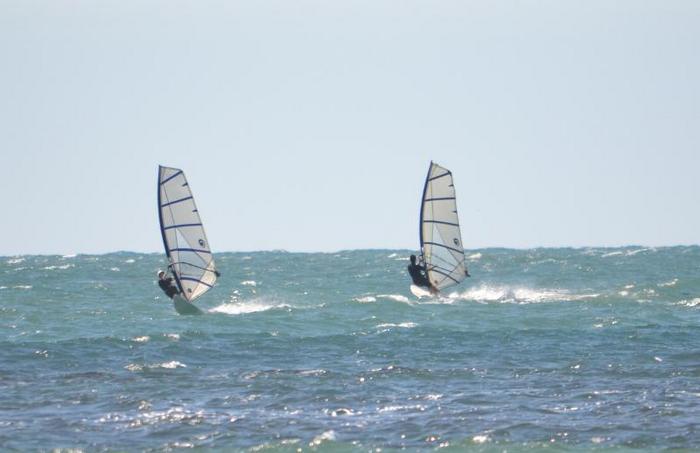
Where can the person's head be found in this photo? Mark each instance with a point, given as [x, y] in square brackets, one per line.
[413, 259]
[161, 275]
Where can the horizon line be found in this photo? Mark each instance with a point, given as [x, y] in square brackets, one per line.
[309, 252]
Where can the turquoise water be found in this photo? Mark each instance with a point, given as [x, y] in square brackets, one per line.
[569, 349]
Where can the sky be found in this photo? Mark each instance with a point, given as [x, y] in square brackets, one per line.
[309, 125]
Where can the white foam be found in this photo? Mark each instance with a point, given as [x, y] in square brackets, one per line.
[142, 339]
[634, 252]
[418, 407]
[365, 299]
[22, 287]
[393, 255]
[65, 266]
[689, 303]
[670, 283]
[130, 261]
[167, 365]
[394, 297]
[114, 269]
[14, 260]
[606, 255]
[72, 255]
[249, 283]
[474, 256]
[251, 306]
[481, 439]
[170, 365]
[405, 325]
[318, 440]
[518, 295]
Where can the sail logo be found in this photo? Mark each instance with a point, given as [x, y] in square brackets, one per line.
[456, 241]
[201, 242]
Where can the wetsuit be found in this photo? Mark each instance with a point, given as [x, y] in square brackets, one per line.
[166, 284]
[418, 275]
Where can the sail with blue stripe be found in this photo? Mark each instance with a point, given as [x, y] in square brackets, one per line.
[440, 235]
[186, 244]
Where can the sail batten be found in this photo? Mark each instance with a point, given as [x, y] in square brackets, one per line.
[185, 241]
[440, 235]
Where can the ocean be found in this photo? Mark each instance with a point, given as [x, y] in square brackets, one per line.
[564, 349]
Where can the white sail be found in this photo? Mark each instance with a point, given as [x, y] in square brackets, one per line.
[185, 242]
[440, 237]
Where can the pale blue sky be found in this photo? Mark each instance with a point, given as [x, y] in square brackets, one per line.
[309, 125]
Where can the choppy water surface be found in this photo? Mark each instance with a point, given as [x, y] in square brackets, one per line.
[565, 348]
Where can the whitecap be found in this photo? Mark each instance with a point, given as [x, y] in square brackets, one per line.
[394, 297]
[317, 372]
[519, 295]
[249, 283]
[14, 260]
[64, 266]
[142, 339]
[418, 407]
[170, 365]
[474, 256]
[22, 287]
[318, 440]
[167, 365]
[130, 261]
[252, 306]
[71, 255]
[606, 255]
[689, 303]
[365, 299]
[669, 283]
[393, 255]
[480, 439]
[114, 269]
[405, 325]
[634, 252]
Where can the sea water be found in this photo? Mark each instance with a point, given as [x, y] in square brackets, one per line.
[565, 349]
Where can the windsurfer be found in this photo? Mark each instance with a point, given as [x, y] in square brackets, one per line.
[167, 285]
[419, 275]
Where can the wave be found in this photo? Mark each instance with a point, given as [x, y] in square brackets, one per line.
[405, 325]
[173, 364]
[365, 299]
[394, 297]
[251, 306]
[517, 295]
[689, 303]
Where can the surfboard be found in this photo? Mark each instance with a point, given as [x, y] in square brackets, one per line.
[185, 308]
[420, 292]
[184, 239]
[440, 234]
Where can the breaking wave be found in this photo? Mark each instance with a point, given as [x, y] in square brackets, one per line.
[251, 306]
[504, 294]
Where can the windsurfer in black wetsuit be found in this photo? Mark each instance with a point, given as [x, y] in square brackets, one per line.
[419, 275]
[167, 285]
